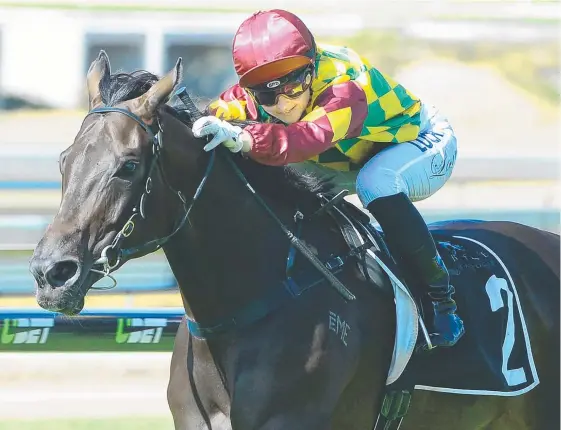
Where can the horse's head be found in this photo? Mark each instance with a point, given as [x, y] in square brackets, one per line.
[106, 176]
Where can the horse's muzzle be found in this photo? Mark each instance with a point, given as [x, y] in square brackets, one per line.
[58, 283]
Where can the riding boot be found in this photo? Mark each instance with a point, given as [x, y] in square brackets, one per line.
[409, 239]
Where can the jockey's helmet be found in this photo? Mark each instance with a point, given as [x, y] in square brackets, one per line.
[271, 44]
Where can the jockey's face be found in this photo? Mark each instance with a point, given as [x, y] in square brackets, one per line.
[289, 110]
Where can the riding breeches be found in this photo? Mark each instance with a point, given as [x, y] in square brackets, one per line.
[417, 168]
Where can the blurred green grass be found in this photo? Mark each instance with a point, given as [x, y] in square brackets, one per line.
[121, 423]
[532, 67]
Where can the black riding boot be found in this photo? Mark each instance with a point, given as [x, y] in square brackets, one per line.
[409, 239]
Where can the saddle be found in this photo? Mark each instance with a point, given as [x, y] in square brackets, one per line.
[494, 357]
[366, 245]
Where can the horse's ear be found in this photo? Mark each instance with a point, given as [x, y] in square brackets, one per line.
[99, 69]
[145, 106]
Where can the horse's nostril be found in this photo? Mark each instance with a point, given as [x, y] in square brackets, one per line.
[61, 272]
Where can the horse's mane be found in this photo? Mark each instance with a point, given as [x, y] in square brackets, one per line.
[120, 87]
[278, 182]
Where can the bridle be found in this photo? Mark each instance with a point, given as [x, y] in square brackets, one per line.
[109, 263]
[113, 255]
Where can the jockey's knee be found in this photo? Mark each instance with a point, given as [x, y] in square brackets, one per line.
[373, 183]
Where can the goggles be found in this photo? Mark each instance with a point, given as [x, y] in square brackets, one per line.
[292, 85]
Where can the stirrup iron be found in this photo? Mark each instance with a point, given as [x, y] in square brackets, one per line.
[329, 203]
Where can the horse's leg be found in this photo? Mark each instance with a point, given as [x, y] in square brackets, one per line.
[280, 413]
[178, 386]
[360, 402]
[287, 373]
[444, 411]
[276, 392]
[297, 372]
[193, 398]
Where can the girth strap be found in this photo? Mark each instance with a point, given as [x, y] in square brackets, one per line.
[394, 408]
[275, 298]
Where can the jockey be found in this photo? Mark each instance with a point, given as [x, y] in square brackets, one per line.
[325, 109]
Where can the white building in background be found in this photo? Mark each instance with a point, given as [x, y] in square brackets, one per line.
[45, 53]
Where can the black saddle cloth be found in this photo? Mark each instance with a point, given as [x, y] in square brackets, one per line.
[494, 357]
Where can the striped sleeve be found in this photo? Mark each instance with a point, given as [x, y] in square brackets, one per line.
[338, 113]
[234, 104]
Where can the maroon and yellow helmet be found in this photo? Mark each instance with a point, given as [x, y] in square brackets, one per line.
[269, 45]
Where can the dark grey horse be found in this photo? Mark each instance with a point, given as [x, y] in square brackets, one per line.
[126, 193]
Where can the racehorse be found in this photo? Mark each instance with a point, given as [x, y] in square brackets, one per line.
[271, 340]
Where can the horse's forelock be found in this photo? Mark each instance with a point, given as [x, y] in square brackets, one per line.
[120, 87]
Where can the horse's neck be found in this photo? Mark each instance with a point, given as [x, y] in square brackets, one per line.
[230, 251]
[226, 257]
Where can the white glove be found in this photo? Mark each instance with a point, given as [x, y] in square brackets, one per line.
[223, 132]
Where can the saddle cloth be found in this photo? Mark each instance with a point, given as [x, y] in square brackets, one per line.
[494, 357]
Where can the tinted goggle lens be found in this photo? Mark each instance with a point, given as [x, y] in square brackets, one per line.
[291, 89]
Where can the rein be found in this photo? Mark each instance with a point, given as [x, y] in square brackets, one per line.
[294, 240]
[108, 263]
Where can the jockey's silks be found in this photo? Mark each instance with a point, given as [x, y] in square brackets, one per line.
[355, 110]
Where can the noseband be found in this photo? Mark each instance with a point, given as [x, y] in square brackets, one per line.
[113, 255]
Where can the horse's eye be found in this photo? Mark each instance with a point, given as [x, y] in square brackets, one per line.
[128, 168]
